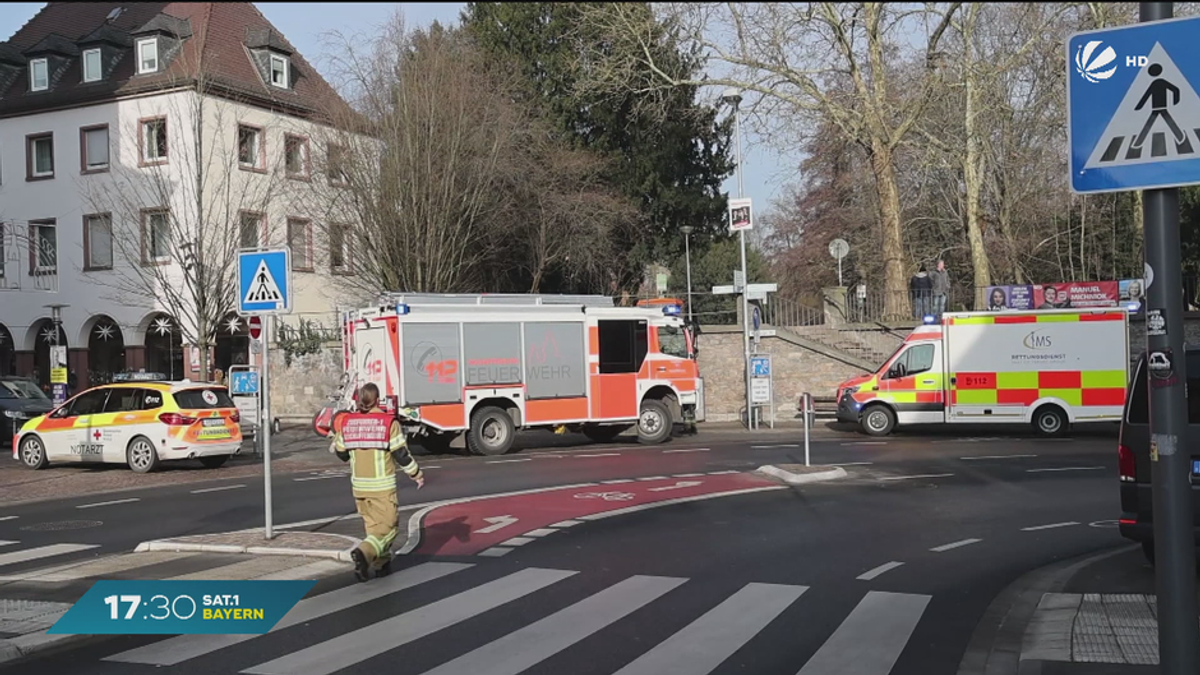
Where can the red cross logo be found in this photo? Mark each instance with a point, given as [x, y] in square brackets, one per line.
[96, 435]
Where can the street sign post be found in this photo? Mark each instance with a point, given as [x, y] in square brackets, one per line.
[760, 385]
[838, 248]
[265, 289]
[1134, 123]
[255, 325]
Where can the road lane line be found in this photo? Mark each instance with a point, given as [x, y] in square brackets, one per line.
[368, 642]
[995, 457]
[5, 542]
[42, 552]
[567, 523]
[653, 478]
[339, 475]
[866, 443]
[430, 467]
[926, 475]
[217, 489]
[176, 650]
[781, 445]
[520, 650]
[723, 473]
[687, 475]
[707, 642]
[1066, 468]
[871, 574]
[9, 517]
[509, 461]
[854, 463]
[668, 452]
[112, 503]
[540, 532]
[1048, 527]
[602, 454]
[616, 481]
[494, 552]
[871, 638]
[678, 500]
[957, 544]
[517, 541]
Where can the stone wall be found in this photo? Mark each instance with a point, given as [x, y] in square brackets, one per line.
[796, 370]
[299, 390]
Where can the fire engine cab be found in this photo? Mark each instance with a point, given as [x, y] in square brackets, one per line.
[488, 365]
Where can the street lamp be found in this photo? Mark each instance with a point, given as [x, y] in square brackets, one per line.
[734, 98]
[687, 231]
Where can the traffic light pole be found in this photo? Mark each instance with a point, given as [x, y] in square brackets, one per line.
[1174, 547]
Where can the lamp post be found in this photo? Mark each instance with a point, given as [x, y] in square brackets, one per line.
[734, 98]
[687, 256]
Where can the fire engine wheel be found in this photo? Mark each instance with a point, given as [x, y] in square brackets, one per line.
[492, 432]
[1050, 420]
[878, 420]
[33, 453]
[141, 455]
[654, 422]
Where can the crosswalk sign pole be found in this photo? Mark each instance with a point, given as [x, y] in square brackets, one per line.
[1174, 546]
[264, 425]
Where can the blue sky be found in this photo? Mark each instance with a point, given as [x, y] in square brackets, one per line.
[304, 24]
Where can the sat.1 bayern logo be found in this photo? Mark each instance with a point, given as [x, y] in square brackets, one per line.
[1093, 66]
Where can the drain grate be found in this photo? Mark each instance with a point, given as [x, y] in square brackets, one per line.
[60, 525]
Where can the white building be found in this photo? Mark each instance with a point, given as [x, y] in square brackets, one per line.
[134, 136]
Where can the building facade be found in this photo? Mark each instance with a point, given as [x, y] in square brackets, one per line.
[141, 146]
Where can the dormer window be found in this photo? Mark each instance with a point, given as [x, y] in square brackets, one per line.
[147, 51]
[279, 71]
[39, 75]
[91, 65]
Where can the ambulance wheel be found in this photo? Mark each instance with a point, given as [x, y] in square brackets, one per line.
[214, 461]
[1050, 420]
[33, 453]
[492, 432]
[878, 420]
[654, 423]
[141, 455]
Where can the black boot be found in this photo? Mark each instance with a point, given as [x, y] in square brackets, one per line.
[362, 569]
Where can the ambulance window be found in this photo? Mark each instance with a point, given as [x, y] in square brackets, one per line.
[623, 346]
[124, 400]
[89, 403]
[151, 399]
[916, 360]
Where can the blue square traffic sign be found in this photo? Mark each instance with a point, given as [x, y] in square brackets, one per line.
[264, 282]
[243, 382]
[1132, 109]
[760, 366]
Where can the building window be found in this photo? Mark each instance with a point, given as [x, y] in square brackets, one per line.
[91, 65]
[339, 248]
[156, 237]
[39, 75]
[279, 71]
[39, 156]
[251, 150]
[97, 242]
[299, 234]
[43, 250]
[93, 148]
[153, 141]
[295, 156]
[147, 50]
[250, 230]
[337, 165]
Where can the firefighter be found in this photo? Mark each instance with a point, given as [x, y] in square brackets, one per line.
[373, 442]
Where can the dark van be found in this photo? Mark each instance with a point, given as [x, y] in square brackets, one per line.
[1134, 451]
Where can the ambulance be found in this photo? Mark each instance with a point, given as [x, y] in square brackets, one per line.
[489, 365]
[1046, 368]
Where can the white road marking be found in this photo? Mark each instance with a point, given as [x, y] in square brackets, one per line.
[301, 480]
[653, 478]
[957, 544]
[1048, 527]
[723, 473]
[497, 523]
[668, 452]
[687, 475]
[9, 517]
[4, 542]
[217, 489]
[42, 552]
[602, 454]
[705, 643]
[509, 461]
[871, 638]
[995, 457]
[379, 637]
[616, 481]
[781, 445]
[176, 650]
[112, 503]
[567, 523]
[927, 475]
[871, 574]
[522, 649]
[540, 532]
[677, 500]
[494, 552]
[677, 486]
[517, 541]
[1066, 468]
[866, 443]
[430, 467]
[854, 463]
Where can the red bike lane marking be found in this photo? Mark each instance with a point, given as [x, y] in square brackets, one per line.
[470, 527]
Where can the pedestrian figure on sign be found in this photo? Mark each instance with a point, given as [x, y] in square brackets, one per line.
[1156, 93]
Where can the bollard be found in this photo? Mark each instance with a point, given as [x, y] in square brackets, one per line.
[807, 413]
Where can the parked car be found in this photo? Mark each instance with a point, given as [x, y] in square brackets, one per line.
[1136, 521]
[20, 400]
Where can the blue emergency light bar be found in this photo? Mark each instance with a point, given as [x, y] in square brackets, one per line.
[402, 309]
[672, 310]
[930, 319]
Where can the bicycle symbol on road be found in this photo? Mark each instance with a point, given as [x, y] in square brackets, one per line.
[606, 496]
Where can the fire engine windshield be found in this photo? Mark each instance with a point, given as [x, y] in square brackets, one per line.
[672, 341]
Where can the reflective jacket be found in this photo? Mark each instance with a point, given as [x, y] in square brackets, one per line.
[373, 443]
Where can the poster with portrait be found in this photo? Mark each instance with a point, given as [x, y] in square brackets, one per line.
[1132, 291]
[1001, 298]
[1076, 295]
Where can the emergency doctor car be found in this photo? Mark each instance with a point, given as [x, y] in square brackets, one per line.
[1048, 368]
[141, 424]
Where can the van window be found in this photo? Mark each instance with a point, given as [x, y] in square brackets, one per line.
[1139, 406]
[916, 360]
[623, 346]
[196, 399]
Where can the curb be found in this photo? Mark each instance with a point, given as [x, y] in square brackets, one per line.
[29, 645]
[168, 545]
[801, 478]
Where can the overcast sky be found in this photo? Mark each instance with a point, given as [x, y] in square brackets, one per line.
[304, 24]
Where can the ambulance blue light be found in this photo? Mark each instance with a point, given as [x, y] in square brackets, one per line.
[930, 319]
[671, 310]
[402, 309]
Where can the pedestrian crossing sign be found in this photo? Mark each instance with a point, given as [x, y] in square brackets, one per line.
[264, 282]
[1132, 108]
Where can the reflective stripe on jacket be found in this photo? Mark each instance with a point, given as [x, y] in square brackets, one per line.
[373, 470]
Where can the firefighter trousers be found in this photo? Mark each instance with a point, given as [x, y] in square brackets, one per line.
[381, 521]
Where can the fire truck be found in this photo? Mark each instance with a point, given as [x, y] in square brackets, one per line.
[490, 365]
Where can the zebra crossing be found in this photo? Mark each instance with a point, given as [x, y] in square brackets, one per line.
[12, 556]
[868, 641]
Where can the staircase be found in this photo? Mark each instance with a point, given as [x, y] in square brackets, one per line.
[869, 348]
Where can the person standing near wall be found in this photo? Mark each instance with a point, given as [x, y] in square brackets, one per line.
[920, 286]
[940, 280]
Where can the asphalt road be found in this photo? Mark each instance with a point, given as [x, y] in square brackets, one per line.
[893, 566]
